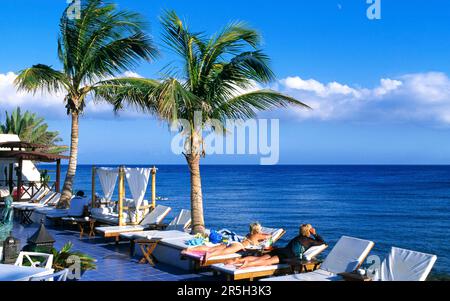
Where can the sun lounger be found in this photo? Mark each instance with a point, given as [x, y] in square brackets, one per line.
[405, 265]
[197, 257]
[346, 256]
[50, 199]
[38, 198]
[155, 217]
[76, 209]
[180, 223]
[314, 251]
[231, 272]
[276, 234]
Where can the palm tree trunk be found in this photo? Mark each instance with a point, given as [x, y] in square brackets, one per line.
[72, 168]
[198, 222]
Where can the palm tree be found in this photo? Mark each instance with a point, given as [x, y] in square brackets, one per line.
[31, 128]
[210, 80]
[103, 42]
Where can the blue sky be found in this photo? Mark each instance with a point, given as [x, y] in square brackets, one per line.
[379, 88]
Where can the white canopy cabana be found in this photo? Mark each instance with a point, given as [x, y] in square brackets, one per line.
[108, 178]
[137, 179]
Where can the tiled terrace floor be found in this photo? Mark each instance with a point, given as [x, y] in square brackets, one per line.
[114, 262]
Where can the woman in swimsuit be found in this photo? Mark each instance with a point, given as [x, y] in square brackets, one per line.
[255, 237]
[306, 239]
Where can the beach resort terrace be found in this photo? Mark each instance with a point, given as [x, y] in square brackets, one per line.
[114, 261]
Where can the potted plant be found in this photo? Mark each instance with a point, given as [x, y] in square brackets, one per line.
[62, 259]
[45, 177]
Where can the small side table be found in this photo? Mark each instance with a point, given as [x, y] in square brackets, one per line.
[147, 247]
[354, 276]
[304, 266]
[83, 223]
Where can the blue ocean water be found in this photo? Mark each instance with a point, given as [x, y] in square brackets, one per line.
[403, 206]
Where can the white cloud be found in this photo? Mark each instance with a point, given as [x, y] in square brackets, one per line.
[418, 97]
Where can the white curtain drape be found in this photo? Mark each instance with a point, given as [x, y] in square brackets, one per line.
[137, 179]
[108, 178]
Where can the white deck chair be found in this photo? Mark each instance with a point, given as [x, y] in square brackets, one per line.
[39, 195]
[181, 221]
[77, 205]
[46, 200]
[346, 256]
[178, 225]
[153, 218]
[405, 265]
[36, 199]
[35, 259]
[276, 234]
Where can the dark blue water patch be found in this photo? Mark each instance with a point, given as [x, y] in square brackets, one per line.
[404, 206]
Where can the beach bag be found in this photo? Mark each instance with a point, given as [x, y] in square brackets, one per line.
[215, 237]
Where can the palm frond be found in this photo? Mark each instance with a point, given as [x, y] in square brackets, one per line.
[247, 105]
[41, 77]
[131, 91]
[103, 42]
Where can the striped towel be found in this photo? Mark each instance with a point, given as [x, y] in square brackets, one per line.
[230, 235]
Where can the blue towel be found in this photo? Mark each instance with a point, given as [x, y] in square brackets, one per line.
[197, 241]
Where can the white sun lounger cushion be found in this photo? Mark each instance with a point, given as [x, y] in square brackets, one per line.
[41, 193]
[405, 265]
[314, 251]
[118, 229]
[275, 233]
[41, 203]
[347, 255]
[170, 234]
[233, 270]
[53, 199]
[156, 216]
[317, 275]
[181, 221]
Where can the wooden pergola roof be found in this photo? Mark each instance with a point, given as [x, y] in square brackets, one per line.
[22, 144]
[31, 155]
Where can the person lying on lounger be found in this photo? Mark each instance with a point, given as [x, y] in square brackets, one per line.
[255, 237]
[307, 238]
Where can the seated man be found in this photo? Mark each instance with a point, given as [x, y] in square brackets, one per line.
[294, 249]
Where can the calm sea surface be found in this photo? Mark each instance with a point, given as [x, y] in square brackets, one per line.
[403, 206]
